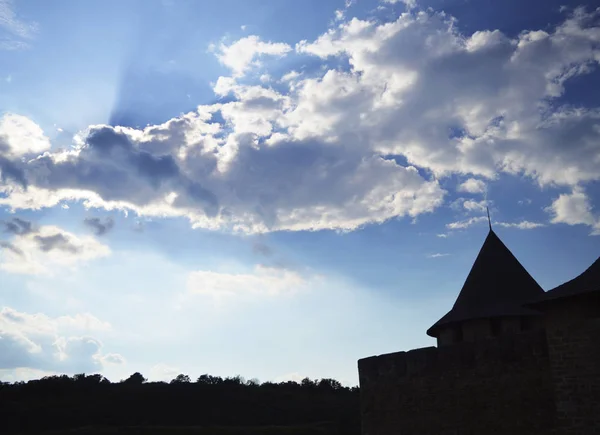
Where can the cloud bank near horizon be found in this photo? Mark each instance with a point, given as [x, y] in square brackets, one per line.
[54, 345]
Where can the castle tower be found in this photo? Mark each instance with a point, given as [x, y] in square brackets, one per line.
[584, 287]
[491, 300]
[572, 315]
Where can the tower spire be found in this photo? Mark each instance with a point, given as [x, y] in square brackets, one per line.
[497, 286]
[489, 220]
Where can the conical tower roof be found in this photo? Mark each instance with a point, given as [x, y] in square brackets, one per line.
[587, 282]
[497, 286]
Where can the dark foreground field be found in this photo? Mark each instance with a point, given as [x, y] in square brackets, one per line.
[211, 405]
[317, 429]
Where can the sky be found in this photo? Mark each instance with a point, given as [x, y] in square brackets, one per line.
[276, 189]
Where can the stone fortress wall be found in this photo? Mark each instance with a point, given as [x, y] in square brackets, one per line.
[494, 387]
[511, 360]
[540, 382]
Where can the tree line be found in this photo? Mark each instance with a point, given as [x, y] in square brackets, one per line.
[64, 402]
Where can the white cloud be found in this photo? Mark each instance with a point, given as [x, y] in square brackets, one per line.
[459, 225]
[472, 185]
[60, 344]
[523, 225]
[310, 158]
[574, 209]
[18, 31]
[423, 80]
[242, 54]
[437, 255]
[186, 167]
[410, 4]
[263, 280]
[475, 206]
[292, 75]
[469, 205]
[47, 250]
[225, 85]
[19, 136]
[41, 323]
[12, 23]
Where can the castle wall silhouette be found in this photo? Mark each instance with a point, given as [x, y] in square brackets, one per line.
[510, 359]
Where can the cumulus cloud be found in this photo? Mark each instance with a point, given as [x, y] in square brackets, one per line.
[289, 76]
[473, 104]
[19, 136]
[262, 280]
[238, 181]
[574, 209]
[472, 185]
[60, 344]
[100, 226]
[474, 206]
[243, 53]
[469, 205]
[46, 249]
[317, 155]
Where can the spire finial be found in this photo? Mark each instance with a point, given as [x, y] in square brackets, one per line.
[489, 220]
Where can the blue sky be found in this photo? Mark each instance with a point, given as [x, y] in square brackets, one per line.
[278, 188]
